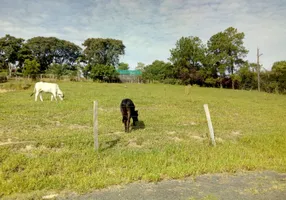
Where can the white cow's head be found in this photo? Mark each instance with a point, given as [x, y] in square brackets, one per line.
[61, 95]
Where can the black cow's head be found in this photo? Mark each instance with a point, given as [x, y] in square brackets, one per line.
[135, 116]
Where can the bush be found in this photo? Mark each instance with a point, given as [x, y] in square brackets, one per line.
[210, 82]
[172, 81]
[16, 86]
[103, 73]
[272, 87]
[3, 73]
[31, 67]
[3, 79]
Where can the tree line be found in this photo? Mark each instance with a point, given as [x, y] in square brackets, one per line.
[50, 55]
[218, 63]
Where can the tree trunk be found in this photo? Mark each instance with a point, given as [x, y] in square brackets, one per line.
[9, 70]
[232, 81]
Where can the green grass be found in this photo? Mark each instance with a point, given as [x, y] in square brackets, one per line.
[208, 197]
[48, 146]
[16, 85]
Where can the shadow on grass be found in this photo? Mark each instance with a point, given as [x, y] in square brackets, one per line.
[139, 125]
[109, 144]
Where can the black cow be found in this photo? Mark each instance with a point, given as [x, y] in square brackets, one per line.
[127, 108]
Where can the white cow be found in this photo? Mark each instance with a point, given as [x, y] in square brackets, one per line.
[47, 87]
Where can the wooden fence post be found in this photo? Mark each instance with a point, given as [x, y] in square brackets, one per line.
[210, 124]
[95, 125]
[187, 89]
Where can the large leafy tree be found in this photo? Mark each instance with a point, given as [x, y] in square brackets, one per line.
[103, 51]
[188, 57]
[42, 49]
[58, 69]
[31, 68]
[66, 53]
[47, 50]
[24, 54]
[227, 51]
[279, 66]
[209, 72]
[140, 66]
[158, 70]
[279, 75]
[123, 66]
[9, 51]
[103, 72]
[247, 75]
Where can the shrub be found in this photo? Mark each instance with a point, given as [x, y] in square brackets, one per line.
[172, 81]
[16, 86]
[3, 79]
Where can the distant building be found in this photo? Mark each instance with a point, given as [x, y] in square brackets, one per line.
[130, 76]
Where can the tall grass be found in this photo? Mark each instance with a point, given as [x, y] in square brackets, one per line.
[48, 146]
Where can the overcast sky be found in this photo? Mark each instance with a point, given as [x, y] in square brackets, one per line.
[150, 28]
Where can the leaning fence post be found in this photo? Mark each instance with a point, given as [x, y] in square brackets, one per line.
[95, 125]
[210, 124]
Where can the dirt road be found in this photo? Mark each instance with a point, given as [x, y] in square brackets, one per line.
[265, 185]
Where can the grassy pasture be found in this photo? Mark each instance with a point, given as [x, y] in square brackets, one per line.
[48, 146]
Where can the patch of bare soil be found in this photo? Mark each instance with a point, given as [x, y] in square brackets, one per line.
[235, 133]
[176, 139]
[219, 140]
[198, 138]
[171, 132]
[4, 91]
[118, 132]
[10, 141]
[77, 126]
[27, 148]
[190, 123]
[30, 148]
[51, 196]
[133, 143]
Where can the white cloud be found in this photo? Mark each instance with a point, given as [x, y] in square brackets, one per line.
[149, 29]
